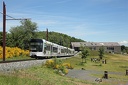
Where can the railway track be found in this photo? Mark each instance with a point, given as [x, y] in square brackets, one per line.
[9, 61]
[9, 66]
[12, 65]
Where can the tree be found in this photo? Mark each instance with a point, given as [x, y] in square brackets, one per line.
[101, 52]
[124, 49]
[84, 53]
[21, 35]
[58, 38]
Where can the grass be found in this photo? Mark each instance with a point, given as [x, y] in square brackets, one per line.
[116, 67]
[41, 75]
[36, 76]
[115, 62]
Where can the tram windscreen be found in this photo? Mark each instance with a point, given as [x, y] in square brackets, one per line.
[36, 46]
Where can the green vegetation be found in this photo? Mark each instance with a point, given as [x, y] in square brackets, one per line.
[84, 53]
[101, 52]
[36, 76]
[57, 64]
[124, 49]
[19, 36]
[116, 67]
[41, 75]
[58, 38]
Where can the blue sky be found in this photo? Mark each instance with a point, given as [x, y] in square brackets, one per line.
[90, 20]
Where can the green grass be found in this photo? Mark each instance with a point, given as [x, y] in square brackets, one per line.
[41, 75]
[36, 76]
[116, 63]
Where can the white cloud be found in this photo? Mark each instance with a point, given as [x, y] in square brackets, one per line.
[124, 43]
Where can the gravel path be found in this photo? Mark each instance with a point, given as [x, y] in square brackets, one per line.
[80, 74]
[88, 75]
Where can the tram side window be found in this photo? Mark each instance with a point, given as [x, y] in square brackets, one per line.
[47, 47]
[62, 51]
[66, 51]
[55, 49]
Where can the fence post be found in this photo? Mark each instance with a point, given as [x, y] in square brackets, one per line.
[105, 61]
[126, 72]
[106, 74]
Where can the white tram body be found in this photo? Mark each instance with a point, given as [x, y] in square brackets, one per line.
[43, 48]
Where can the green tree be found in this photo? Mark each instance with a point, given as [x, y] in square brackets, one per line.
[101, 52]
[126, 50]
[20, 35]
[123, 48]
[58, 38]
[84, 53]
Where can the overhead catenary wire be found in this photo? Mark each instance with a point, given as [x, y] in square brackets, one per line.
[8, 16]
[12, 18]
[4, 28]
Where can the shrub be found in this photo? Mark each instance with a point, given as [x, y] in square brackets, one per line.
[49, 63]
[68, 65]
[13, 52]
[61, 68]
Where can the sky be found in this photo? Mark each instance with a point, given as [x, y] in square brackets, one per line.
[89, 20]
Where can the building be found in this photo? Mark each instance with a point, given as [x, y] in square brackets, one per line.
[111, 47]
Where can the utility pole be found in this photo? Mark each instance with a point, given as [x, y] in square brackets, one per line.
[47, 34]
[4, 30]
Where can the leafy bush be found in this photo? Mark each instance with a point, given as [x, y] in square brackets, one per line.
[68, 65]
[61, 68]
[13, 52]
[49, 63]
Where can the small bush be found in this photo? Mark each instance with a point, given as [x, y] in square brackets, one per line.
[13, 52]
[49, 63]
[68, 65]
[61, 68]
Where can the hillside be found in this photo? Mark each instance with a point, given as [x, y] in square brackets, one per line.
[58, 38]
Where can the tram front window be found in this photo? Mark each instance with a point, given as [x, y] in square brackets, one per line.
[36, 47]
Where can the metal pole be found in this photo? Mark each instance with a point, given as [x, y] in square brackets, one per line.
[47, 34]
[4, 30]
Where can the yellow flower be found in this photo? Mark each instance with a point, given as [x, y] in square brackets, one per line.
[13, 52]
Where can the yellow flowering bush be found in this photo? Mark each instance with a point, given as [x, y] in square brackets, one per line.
[13, 52]
[49, 63]
[61, 68]
[68, 65]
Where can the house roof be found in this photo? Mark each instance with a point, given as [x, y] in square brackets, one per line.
[78, 44]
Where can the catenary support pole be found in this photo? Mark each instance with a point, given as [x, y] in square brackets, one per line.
[4, 31]
[47, 34]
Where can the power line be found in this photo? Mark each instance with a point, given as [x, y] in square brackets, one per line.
[12, 18]
[8, 16]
